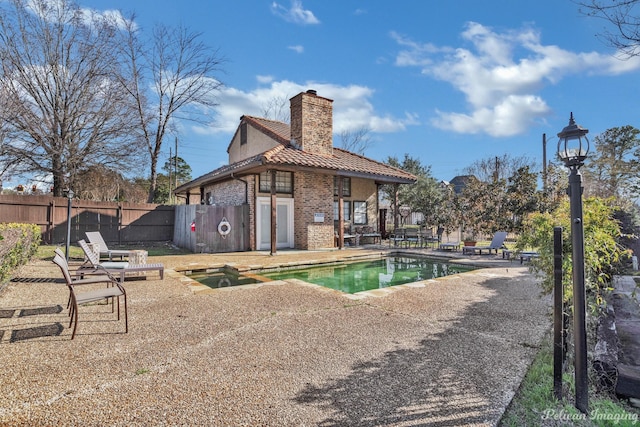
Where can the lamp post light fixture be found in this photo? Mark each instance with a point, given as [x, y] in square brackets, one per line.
[69, 200]
[573, 147]
[405, 211]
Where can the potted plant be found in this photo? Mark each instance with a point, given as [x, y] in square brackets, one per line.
[469, 240]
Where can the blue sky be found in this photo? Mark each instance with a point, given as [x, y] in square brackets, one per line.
[446, 81]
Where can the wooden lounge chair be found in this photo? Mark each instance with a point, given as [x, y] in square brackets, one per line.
[114, 290]
[94, 266]
[496, 243]
[95, 237]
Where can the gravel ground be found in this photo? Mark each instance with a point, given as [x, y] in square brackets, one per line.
[444, 352]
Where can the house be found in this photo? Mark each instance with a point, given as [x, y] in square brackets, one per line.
[293, 180]
[459, 182]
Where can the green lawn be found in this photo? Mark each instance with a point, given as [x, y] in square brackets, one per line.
[535, 405]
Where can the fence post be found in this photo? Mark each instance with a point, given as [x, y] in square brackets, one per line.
[558, 314]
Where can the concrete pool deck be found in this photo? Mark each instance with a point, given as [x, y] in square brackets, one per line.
[450, 351]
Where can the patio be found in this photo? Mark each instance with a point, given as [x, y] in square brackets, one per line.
[450, 351]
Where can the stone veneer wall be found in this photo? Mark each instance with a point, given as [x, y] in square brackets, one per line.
[314, 194]
[227, 193]
[312, 123]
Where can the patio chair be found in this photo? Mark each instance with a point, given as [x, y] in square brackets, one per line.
[427, 238]
[95, 237]
[397, 236]
[114, 290]
[496, 243]
[94, 266]
[411, 235]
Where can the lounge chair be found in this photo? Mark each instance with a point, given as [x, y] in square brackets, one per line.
[95, 237]
[496, 243]
[113, 290]
[94, 266]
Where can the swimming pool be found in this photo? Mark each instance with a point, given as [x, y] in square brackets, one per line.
[372, 274]
[348, 277]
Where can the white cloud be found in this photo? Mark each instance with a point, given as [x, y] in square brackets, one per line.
[352, 107]
[501, 75]
[296, 14]
[264, 79]
[297, 48]
[56, 10]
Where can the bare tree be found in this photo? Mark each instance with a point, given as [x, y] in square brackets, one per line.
[180, 68]
[98, 183]
[624, 17]
[60, 106]
[356, 141]
[277, 108]
[495, 168]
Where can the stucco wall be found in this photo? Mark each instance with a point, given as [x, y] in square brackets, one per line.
[363, 190]
[257, 142]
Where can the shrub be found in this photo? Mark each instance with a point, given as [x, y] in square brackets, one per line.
[602, 251]
[18, 243]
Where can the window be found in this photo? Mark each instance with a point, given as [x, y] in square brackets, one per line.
[243, 134]
[346, 210]
[284, 182]
[360, 212]
[346, 186]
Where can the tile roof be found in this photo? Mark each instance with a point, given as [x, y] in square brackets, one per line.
[289, 156]
[346, 162]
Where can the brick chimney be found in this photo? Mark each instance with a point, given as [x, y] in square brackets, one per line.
[312, 123]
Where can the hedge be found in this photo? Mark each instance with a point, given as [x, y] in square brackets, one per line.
[18, 243]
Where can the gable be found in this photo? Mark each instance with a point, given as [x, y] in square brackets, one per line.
[255, 136]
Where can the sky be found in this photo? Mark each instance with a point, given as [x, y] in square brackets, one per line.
[446, 81]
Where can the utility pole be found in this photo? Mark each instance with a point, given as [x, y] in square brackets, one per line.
[170, 169]
[544, 163]
[175, 162]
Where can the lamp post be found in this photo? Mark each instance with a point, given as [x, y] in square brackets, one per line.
[405, 211]
[69, 200]
[573, 147]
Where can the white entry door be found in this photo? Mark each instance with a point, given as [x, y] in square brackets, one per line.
[284, 223]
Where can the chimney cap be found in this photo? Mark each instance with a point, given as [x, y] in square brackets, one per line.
[312, 92]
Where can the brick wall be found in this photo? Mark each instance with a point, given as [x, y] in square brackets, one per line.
[313, 194]
[312, 123]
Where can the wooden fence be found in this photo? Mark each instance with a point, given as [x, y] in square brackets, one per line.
[206, 238]
[118, 222]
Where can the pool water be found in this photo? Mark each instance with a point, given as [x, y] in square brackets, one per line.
[373, 274]
[345, 277]
[222, 279]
